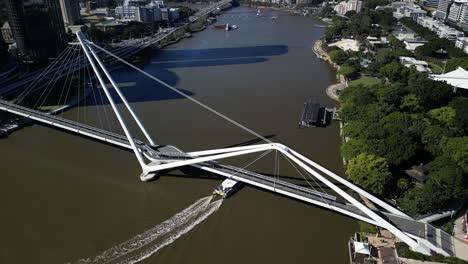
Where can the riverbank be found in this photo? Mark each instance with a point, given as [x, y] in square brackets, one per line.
[334, 89]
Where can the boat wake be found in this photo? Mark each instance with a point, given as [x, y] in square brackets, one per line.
[151, 241]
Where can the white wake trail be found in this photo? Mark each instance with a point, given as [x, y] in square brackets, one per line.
[212, 207]
[144, 245]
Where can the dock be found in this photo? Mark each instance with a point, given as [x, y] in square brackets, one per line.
[314, 115]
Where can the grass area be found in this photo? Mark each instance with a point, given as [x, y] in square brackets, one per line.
[367, 228]
[365, 81]
[436, 69]
[48, 107]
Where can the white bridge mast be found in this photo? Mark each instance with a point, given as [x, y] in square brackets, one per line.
[199, 157]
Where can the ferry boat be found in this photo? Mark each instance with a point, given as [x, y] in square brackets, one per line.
[226, 188]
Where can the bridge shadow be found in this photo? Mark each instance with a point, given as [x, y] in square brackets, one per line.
[138, 88]
[168, 58]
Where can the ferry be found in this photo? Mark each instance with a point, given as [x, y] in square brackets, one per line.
[226, 188]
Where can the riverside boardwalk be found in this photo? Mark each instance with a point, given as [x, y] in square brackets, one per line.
[332, 90]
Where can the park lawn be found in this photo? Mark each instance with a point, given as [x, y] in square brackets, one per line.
[365, 81]
[435, 68]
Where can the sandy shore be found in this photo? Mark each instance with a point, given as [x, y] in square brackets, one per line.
[332, 90]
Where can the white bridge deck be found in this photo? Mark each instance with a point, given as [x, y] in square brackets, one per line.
[436, 237]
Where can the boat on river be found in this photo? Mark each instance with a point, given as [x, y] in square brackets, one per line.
[226, 188]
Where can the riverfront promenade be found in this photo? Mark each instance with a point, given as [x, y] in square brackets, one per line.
[332, 90]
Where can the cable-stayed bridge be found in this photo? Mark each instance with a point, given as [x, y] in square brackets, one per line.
[153, 157]
[123, 49]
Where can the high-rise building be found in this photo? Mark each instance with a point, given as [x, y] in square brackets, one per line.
[458, 12]
[70, 11]
[38, 29]
[442, 9]
[352, 5]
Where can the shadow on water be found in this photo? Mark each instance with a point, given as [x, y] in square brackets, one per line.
[138, 88]
[221, 53]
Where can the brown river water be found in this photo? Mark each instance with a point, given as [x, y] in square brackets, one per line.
[70, 199]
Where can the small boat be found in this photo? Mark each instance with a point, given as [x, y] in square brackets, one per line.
[259, 13]
[226, 188]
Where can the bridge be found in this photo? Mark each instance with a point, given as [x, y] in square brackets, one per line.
[152, 158]
[124, 49]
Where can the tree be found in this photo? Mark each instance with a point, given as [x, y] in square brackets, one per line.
[432, 93]
[384, 56]
[393, 71]
[370, 172]
[445, 116]
[411, 103]
[353, 147]
[349, 71]
[460, 104]
[431, 136]
[350, 13]
[456, 148]
[444, 184]
[338, 56]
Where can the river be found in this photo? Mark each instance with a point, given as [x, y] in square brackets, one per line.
[65, 198]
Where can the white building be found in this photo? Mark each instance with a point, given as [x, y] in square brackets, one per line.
[421, 66]
[462, 43]
[457, 78]
[459, 12]
[409, 10]
[70, 11]
[412, 44]
[442, 30]
[403, 34]
[352, 5]
[153, 12]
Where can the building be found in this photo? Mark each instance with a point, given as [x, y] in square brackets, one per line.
[458, 12]
[462, 43]
[412, 44]
[442, 30]
[153, 12]
[352, 5]
[457, 78]
[433, 4]
[402, 35]
[70, 11]
[38, 29]
[7, 34]
[409, 10]
[149, 14]
[421, 66]
[443, 9]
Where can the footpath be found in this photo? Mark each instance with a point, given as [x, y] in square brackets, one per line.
[332, 90]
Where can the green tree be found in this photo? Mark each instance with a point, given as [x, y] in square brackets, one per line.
[370, 172]
[338, 56]
[349, 71]
[460, 104]
[411, 103]
[353, 147]
[456, 148]
[393, 71]
[384, 56]
[432, 94]
[444, 116]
